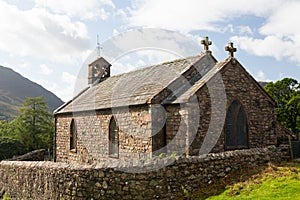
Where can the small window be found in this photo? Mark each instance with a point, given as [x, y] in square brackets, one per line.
[113, 138]
[73, 136]
[236, 133]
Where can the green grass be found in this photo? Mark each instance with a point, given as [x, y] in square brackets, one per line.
[6, 197]
[273, 182]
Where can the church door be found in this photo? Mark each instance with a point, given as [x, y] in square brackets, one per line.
[236, 128]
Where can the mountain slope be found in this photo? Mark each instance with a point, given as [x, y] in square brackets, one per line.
[263, 83]
[14, 88]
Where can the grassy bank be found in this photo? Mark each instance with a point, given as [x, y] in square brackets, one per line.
[272, 182]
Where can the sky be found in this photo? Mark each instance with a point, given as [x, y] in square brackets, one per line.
[51, 42]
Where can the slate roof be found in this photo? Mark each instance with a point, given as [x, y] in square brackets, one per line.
[141, 86]
[132, 88]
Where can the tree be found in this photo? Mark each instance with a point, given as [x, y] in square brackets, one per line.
[10, 147]
[34, 124]
[286, 93]
[7, 129]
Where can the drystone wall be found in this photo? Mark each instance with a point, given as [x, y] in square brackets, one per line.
[36, 155]
[148, 179]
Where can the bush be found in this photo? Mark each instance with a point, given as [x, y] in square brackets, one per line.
[10, 147]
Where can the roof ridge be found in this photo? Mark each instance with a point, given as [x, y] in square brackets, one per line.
[159, 64]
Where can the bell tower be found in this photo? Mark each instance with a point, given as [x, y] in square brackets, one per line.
[98, 71]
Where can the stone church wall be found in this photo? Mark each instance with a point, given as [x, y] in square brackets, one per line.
[48, 180]
[142, 128]
[258, 107]
[92, 135]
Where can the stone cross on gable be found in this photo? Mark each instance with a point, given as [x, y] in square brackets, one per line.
[206, 43]
[230, 49]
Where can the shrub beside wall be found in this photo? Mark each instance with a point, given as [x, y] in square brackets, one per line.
[47, 180]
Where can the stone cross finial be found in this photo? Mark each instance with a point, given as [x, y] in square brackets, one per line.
[206, 43]
[230, 49]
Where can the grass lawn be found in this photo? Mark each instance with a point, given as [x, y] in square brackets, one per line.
[272, 182]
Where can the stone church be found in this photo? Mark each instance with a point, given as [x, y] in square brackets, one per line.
[190, 106]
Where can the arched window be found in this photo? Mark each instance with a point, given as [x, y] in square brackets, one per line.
[113, 138]
[73, 135]
[236, 128]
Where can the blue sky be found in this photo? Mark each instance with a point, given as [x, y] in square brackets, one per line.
[52, 41]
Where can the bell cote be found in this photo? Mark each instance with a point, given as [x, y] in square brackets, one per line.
[98, 71]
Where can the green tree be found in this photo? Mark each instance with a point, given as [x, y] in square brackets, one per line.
[9, 144]
[4, 131]
[286, 93]
[7, 129]
[34, 124]
[10, 147]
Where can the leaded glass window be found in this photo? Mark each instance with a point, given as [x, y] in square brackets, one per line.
[236, 130]
[73, 135]
[113, 138]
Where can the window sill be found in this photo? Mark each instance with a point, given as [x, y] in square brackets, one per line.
[114, 156]
[236, 148]
[73, 150]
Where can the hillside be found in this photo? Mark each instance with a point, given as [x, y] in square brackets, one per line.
[263, 83]
[14, 88]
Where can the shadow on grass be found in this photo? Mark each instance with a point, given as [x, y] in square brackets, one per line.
[242, 178]
[218, 186]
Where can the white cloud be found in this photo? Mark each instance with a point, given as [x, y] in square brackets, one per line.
[115, 32]
[281, 35]
[229, 28]
[84, 9]
[271, 45]
[121, 67]
[44, 83]
[280, 75]
[121, 13]
[45, 70]
[68, 78]
[245, 30]
[283, 22]
[63, 93]
[268, 46]
[25, 65]
[143, 47]
[155, 56]
[261, 75]
[64, 89]
[195, 14]
[150, 39]
[40, 34]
